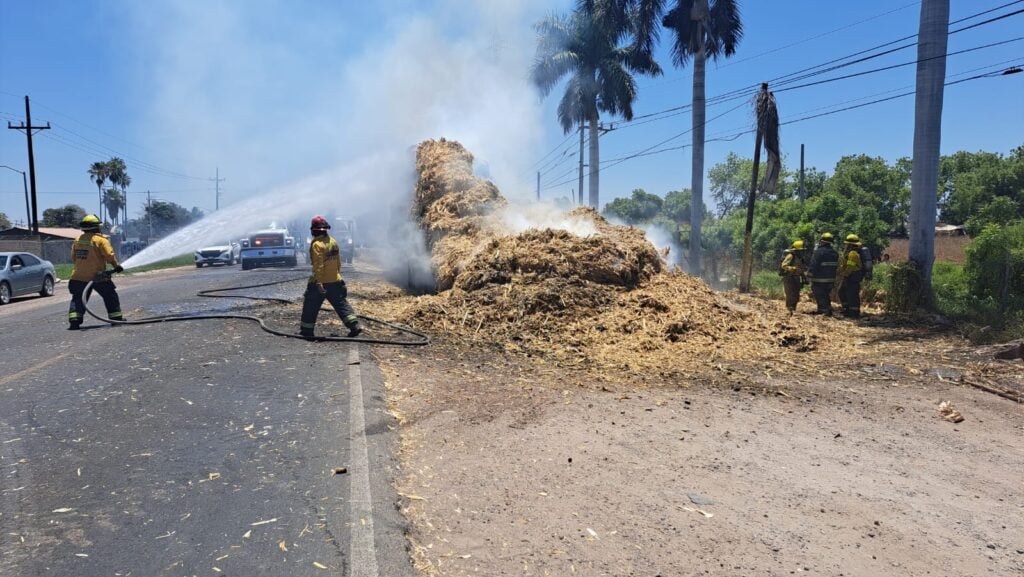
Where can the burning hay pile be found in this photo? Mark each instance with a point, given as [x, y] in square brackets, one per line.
[602, 299]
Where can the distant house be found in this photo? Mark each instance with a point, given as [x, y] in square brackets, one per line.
[52, 244]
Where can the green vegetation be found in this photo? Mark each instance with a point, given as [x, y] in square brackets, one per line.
[870, 197]
[768, 284]
[183, 260]
[63, 270]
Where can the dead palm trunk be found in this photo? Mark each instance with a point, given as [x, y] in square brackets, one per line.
[768, 133]
[595, 162]
[697, 164]
[931, 75]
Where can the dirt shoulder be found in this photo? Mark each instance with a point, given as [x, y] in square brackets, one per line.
[516, 467]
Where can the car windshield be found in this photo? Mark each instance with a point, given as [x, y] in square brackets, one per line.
[3, 262]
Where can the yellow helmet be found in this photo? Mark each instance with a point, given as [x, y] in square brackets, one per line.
[827, 237]
[798, 245]
[89, 221]
[852, 239]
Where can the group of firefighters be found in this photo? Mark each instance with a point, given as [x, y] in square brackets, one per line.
[830, 273]
[92, 252]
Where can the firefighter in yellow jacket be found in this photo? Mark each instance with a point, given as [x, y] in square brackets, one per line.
[849, 277]
[91, 253]
[326, 282]
[792, 269]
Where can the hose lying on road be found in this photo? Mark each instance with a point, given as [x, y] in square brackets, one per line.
[419, 339]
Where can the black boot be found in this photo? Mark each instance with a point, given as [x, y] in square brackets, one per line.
[354, 331]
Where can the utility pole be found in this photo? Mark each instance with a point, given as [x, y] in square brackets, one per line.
[217, 180]
[801, 192]
[581, 163]
[28, 128]
[28, 211]
[149, 215]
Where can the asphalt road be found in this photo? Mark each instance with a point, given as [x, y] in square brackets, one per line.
[190, 448]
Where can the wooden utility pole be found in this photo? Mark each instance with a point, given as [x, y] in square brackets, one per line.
[217, 180]
[802, 193]
[28, 128]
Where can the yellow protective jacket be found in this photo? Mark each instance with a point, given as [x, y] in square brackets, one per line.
[325, 257]
[90, 254]
[850, 262]
[792, 265]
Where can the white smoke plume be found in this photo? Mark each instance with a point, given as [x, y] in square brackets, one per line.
[233, 84]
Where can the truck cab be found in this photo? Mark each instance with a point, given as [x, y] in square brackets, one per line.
[269, 247]
[344, 232]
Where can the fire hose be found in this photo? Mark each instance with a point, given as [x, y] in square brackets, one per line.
[418, 338]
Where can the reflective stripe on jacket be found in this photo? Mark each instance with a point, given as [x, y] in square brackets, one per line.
[91, 253]
[325, 257]
[823, 265]
[792, 265]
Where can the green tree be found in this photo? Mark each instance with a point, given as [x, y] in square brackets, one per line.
[970, 181]
[639, 208]
[591, 47]
[1001, 210]
[870, 181]
[5, 223]
[995, 264]
[67, 216]
[701, 28]
[167, 217]
[113, 200]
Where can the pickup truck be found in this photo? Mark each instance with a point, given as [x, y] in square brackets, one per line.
[270, 247]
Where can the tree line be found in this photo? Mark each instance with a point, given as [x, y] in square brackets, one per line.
[158, 217]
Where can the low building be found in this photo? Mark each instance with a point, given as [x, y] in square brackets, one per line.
[52, 244]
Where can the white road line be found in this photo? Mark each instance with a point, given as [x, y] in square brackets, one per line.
[362, 548]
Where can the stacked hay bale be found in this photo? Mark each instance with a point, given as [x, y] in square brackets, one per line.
[576, 299]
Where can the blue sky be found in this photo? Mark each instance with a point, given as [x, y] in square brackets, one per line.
[272, 92]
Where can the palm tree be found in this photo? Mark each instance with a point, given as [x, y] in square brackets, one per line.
[591, 46]
[118, 176]
[931, 76]
[701, 28]
[99, 173]
[113, 200]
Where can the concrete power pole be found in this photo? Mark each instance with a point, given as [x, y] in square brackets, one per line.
[932, 39]
[28, 128]
[581, 164]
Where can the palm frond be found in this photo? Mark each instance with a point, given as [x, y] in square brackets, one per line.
[725, 28]
[618, 90]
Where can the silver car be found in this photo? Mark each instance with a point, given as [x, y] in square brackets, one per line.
[23, 274]
[225, 253]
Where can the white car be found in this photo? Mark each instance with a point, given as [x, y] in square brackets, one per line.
[225, 253]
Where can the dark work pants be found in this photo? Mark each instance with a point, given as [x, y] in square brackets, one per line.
[106, 289]
[335, 294]
[791, 284]
[850, 297]
[822, 295]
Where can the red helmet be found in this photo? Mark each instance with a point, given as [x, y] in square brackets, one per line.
[319, 223]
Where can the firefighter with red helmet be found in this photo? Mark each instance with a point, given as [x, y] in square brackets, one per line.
[91, 253]
[326, 282]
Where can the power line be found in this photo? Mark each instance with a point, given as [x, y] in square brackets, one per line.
[654, 150]
[884, 68]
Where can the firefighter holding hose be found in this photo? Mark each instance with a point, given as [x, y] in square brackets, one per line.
[326, 282]
[91, 253]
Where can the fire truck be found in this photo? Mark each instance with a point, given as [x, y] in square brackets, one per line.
[269, 247]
